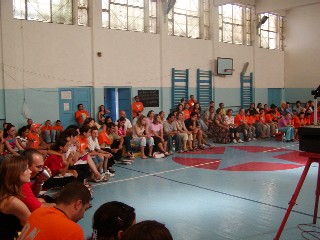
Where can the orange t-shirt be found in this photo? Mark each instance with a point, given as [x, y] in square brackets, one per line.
[46, 128]
[83, 143]
[137, 107]
[268, 118]
[50, 224]
[103, 138]
[78, 115]
[186, 114]
[239, 119]
[58, 128]
[34, 137]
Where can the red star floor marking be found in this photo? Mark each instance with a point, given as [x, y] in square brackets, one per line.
[197, 161]
[293, 157]
[262, 166]
[257, 149]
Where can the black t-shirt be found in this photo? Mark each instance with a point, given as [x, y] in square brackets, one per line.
[189, 123]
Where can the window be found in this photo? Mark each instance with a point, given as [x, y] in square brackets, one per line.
[130, 15]
[271, 32]
[189, 18]
[235, 24]
[55, 11]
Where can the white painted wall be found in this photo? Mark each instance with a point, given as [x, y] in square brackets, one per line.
[302, 55]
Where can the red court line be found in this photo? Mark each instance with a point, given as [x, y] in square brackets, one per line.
[262, 166]
[257, 149]
[197, 161]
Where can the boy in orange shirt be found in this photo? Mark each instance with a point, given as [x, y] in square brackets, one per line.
[58, 128]
[81, 114]
[34, 140]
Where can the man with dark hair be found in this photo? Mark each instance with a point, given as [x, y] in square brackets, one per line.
[81, 114]
[137, 107]
[112, 143]
[170, 128]
[31, 190]
[59, 222]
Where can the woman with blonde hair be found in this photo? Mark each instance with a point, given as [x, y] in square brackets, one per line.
[14, 172]
[141, 135]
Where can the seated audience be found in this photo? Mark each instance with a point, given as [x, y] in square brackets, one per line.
[183, 132]
[31, 190]
[34, 140]
[49, 134]
[285, 126]
[170, 129]
[193, 126]
[14, 172]
[160, 139]
[102, 114]
[11, 145]
[241, 121]
[298, 107]
[219, 129]
[22, 136]
[122, 132]
[59, 222]
[233, 128]
[111, 220]
[59, 166]
[142, 136]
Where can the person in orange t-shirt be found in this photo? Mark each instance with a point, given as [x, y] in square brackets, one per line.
[81, 114]
[58, 127]
[261, 124]
[191, 102]
[186, 112]
[298, 121]
[34, 140]
[48, 133]
[137, 107]
[243, 126]
[59, 222]
[269, 120]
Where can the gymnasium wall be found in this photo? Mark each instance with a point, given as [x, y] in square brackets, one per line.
[39, 58]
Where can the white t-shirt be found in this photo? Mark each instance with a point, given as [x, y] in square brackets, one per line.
[93, 144]
[127, 124]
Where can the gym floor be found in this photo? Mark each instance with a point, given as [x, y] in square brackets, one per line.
[234, 191]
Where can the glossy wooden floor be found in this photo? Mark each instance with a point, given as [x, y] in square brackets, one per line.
[234, 191]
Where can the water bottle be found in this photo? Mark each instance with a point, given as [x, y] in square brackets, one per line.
[283, 137]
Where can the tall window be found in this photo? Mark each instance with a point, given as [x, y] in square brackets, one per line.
[132, 15]
[271, 32]
[55, 11]
[235, 24]
[189, 18]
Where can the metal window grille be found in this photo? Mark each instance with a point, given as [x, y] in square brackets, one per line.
[271, 32]
[235, 24]
[189, 18]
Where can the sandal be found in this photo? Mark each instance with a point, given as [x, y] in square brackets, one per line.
[202, 147]
[150, 156]
[166, 154]
[144, 157]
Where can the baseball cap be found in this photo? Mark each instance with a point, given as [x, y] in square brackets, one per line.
[34, 126]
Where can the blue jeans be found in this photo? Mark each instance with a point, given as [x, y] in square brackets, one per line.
[289, 131]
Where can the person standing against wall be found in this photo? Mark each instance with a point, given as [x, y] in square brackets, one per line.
[137, 107]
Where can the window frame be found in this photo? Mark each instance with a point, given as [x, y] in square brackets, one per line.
[278, 32]
[246, 24]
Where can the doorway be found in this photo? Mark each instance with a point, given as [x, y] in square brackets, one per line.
[116, 99]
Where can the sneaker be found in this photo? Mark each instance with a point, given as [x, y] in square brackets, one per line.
[109, 174]
[103, 178]
[235, 141]
[240, 141]
[111, 170]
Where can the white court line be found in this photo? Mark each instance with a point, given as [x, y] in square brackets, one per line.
[179, 169]
[153, 174]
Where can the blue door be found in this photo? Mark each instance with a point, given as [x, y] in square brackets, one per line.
[274, 96]
[69, 98]
[110, 102]
[116, 99]
[124, 96]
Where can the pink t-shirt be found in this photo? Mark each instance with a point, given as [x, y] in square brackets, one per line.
[156, 127]
[283, 122]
